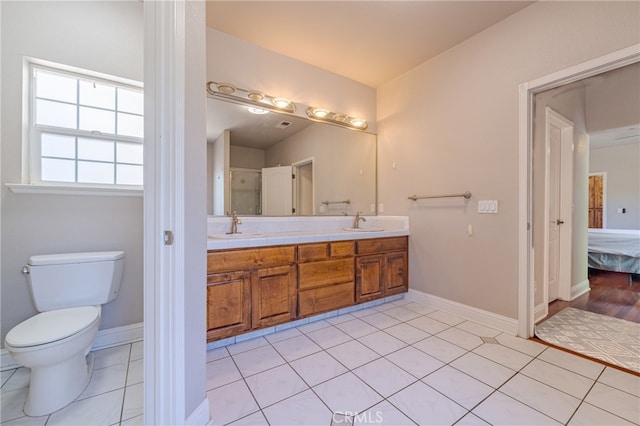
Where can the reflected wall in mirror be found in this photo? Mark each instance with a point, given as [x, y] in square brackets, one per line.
[253, 158]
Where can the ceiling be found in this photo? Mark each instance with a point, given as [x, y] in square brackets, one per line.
[250, 130]
[370, 42]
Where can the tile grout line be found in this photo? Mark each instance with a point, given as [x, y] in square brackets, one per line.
[126, 380]
[467, 351]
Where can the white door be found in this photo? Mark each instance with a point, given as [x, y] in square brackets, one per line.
[277, 191]
[559, 196]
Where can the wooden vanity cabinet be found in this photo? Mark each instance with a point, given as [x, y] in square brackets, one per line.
[249, 289]
[260, 287]
[381, 268]
[325, 277]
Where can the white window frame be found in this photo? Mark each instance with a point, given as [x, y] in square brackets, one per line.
[32, 181]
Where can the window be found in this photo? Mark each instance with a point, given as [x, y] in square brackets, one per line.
[85, 130]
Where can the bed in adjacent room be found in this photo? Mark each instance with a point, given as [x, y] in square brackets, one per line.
[616, 250]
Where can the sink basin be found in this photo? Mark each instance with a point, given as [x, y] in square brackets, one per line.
[363, 229]
[237, 235]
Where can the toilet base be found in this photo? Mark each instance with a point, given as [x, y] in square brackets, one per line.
[54, 387]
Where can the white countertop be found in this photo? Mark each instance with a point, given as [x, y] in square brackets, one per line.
[272, 231]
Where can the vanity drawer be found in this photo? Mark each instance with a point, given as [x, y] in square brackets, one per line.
[313, 252]
[380, 245]
[327, 272]
[324, 299]
[323, 251]
[247, 259]
[341, 249]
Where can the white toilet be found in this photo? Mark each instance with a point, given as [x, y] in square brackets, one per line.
[68, 291]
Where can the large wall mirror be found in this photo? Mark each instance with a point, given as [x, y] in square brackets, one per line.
[276, 164]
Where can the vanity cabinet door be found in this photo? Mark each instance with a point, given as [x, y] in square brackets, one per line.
[381, 267]
[369, 277]
[396, 273]
[273, 295]
[228, 304]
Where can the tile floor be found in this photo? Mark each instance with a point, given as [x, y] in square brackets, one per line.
[113, 396]
[400, 363]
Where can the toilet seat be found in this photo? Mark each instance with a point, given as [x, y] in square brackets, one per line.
[51, 326]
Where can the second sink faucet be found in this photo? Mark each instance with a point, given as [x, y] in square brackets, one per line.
[235, 221]
[357, 219]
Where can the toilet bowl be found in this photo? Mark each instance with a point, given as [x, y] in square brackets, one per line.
[54, 345]
[68, 290]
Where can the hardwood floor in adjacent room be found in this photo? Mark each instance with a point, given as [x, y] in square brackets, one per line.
[611, 295]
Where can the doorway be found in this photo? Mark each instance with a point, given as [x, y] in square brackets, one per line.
[530, 290]
[303, 189]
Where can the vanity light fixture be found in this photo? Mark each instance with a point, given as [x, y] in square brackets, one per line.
[256, 98]
[322, 114]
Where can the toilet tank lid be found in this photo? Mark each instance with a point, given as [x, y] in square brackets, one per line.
[65, 258]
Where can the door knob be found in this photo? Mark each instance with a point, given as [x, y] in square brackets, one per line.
[559, 222]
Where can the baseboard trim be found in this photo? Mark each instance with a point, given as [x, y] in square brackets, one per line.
[115, 336]
[200, 416]
[540, 312]
[489, 319]
[106, 338]
[579, 289]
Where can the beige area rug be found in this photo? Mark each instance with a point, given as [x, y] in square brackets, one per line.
[613, 340]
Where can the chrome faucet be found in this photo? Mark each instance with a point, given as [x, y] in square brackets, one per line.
[235, 221]
[357, 219]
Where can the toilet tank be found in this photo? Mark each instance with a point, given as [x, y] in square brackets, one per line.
[68, 280]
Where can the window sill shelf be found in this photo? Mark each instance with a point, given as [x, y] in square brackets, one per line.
[21, 188]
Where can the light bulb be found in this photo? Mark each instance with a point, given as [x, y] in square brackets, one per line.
[320, 113]
[281, 102]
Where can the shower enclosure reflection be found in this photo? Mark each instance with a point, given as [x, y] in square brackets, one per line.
[245, 191]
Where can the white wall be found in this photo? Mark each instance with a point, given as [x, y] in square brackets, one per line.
[613, 100]
[246, 158]
[622, 183]
[99, 36]
[219, 151]
[194, 223]
[451, 125]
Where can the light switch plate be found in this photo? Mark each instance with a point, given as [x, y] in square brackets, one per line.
[488, 206]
